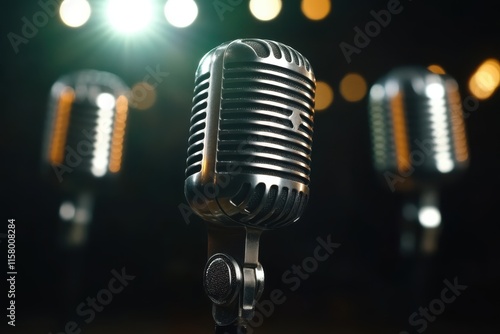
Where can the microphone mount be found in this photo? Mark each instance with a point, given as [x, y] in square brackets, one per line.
[233, 276]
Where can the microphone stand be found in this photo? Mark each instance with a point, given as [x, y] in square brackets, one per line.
[75, 217]
[419, 242]
[233, 277]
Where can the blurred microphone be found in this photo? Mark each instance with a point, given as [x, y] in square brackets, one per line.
[82, 150]
[249, 161]
[84, 139]
[419, 143]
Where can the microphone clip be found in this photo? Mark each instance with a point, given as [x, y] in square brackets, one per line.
[233, 277]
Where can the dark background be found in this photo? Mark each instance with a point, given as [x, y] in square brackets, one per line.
[364, 287]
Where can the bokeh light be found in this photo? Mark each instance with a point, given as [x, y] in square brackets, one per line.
[116, 154]
[67, 211]
[265, 10]
[353, 87]
[75, 13]
[143, 96]
[129, 16]
[429, 216]
[324, 96]
[316, 9]
[105, 101]
[181, 13]
[436, 69]
[486, 79]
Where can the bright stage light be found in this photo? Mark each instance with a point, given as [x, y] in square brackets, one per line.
[129, 16]
[265, 10]
[75, 13]
[181, 13]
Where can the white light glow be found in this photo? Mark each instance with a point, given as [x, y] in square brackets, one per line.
[429, 216]
[102, 142]
[181, 13]
[440, 132]
[67, 211]
[265, 10]
[434, 91]
[444, 164]
[391, 88]
[129, 16]
[377, 92]
[75, 13]
[105, 101]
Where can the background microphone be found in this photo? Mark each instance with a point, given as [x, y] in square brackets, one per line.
[419, 141]
[83, 146]
[249, 161]
[82, 150]
[419, 146]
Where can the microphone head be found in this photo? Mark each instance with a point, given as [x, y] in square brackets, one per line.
[417, 128]
[249, 149]
[84, 135]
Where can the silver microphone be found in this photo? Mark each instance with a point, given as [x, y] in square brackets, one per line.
[83, 144]
[82, 152]
[418, 139]
[249, 160]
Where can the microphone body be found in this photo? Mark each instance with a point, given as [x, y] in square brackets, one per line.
[250, 141]
[249, 161]
[419, 146]
[85, 129]
[417, 129]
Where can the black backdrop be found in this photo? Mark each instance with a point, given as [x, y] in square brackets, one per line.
[364, 287]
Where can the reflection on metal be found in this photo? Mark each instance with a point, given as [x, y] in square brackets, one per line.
[60, 126]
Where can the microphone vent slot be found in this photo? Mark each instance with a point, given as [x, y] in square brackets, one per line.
[264, 48]
[268, 206]
[198, 123]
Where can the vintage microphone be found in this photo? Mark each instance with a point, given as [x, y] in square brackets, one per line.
[418, 139]
[419, 146]
[82, 153]
[248, 166]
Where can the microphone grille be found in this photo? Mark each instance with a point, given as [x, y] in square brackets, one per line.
[85, 132]
[251, 133]
[264, 48]
[198, 124]
[266, 122]
[267, 206]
